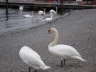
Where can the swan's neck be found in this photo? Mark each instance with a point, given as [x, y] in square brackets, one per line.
[55, 40]
[51, 15]
[56, 9]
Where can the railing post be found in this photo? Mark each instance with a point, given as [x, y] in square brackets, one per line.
[61, 8]
[6, 10]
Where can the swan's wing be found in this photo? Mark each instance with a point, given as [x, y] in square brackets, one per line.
[29, 51]
[65, 50]
[32, 60]
[35, 54]
[31, 57]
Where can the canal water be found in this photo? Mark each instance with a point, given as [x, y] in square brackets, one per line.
[17, 21]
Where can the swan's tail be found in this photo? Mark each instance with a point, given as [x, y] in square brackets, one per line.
[80, 58]
[46, 67]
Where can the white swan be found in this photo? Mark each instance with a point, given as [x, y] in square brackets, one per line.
[21, 9]
[32, 58]
[48, 19]
[41, 14]
[64, 51]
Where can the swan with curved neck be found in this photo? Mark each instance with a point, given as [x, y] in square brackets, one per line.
[49, 19]
[56, 38]
[61, 50]
[32, 59]
[53, 11]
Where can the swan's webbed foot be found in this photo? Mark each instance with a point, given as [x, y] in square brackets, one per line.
[35, 70]
[29, 69]
[62, 62]
[61, 65]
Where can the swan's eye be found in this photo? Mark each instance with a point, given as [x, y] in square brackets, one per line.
[49, 31]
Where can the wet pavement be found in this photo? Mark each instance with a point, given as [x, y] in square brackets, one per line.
[77, 29]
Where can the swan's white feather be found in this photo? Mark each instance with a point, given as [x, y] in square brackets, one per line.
[21, 7]
[32, 58]
[27, 15]
[63, 50]
[47, 19]
[40, 12]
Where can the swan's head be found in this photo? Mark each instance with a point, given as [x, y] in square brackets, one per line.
[52, 11]
[21, 8]
[40, 12]
[52, 29]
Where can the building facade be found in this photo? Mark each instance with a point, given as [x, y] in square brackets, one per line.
[92, 2]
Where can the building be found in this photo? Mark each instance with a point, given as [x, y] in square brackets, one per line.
[91, 2]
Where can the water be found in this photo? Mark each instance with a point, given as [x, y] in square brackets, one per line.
[17, 20]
